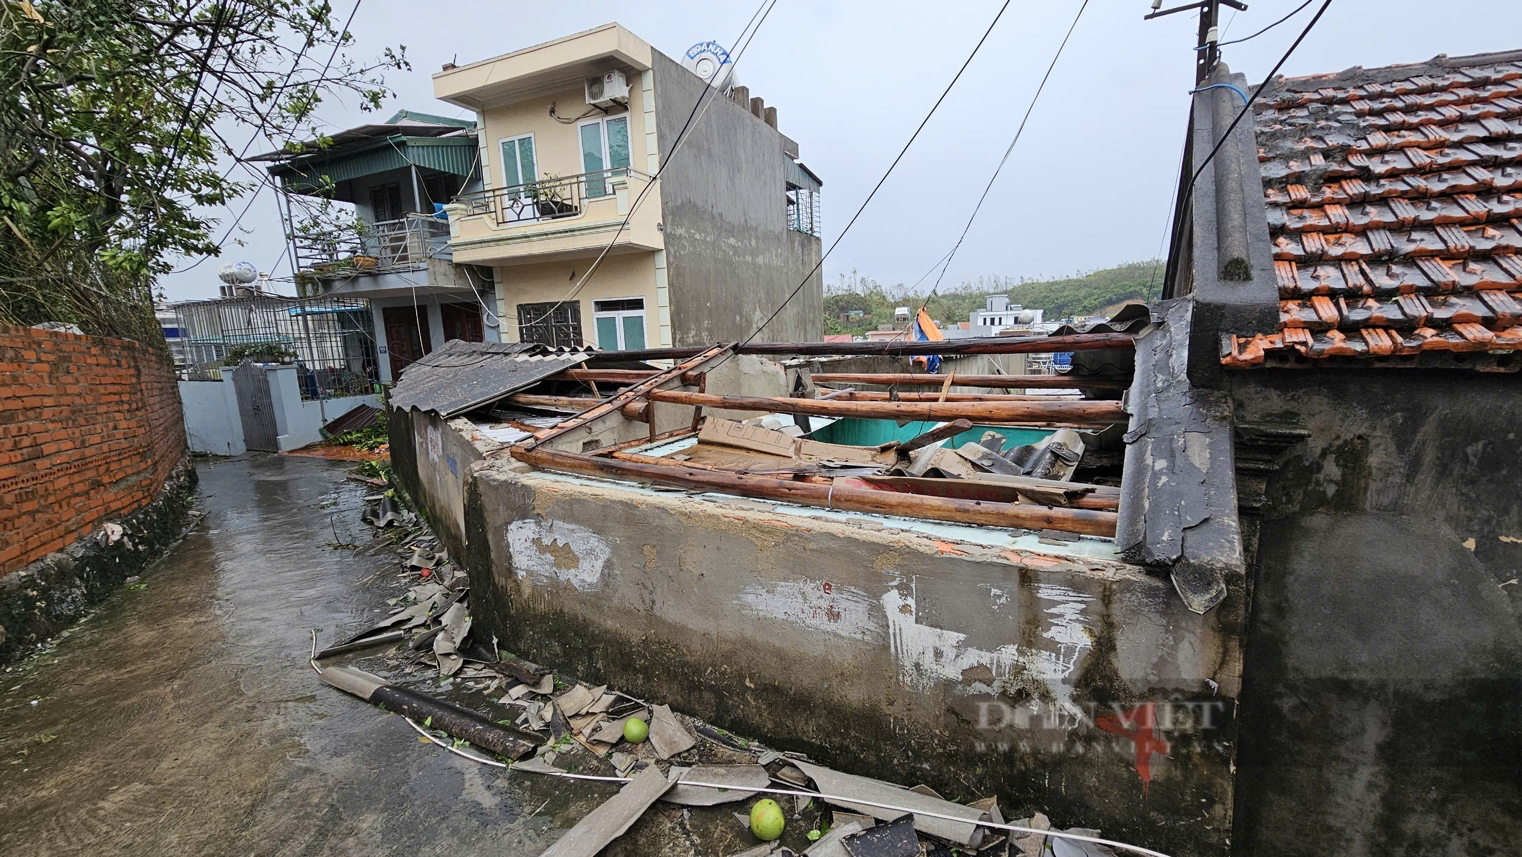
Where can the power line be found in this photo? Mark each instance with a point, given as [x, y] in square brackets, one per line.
[1292, 14]
[1188, 194]
[878, 186]
[704, 99]
[261, 132]
[1007, 152]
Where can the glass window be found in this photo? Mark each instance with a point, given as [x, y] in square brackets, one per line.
[604, 152]
[620, 323]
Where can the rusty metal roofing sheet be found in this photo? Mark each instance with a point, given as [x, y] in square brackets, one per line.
[1395, 211]
[462, 376]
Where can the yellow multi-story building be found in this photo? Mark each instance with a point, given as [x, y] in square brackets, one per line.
[574, 134]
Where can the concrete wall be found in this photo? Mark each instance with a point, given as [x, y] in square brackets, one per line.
[980, 662]
[557, 146]
[299, 422]
[212, 424]
[731, 259]
[630, 275]
[432, 459]
[1382, 702]
[90, 430]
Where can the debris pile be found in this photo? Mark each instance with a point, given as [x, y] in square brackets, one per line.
[545, 724]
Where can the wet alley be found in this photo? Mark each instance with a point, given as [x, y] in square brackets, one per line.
[182, 719]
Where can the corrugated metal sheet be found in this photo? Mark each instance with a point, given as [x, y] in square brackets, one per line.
[463, 376]
[361, 417]
[796, 173]
[454, 155]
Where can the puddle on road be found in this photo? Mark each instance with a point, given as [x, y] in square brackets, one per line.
[181, 717]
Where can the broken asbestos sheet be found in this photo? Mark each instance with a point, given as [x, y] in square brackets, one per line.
[607, 822]
[966, 833]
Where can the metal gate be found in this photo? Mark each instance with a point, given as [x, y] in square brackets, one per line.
[256, 408]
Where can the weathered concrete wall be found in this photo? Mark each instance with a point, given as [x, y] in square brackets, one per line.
[731, 258]
[432, 459]
[1382, 703]
[974, 661]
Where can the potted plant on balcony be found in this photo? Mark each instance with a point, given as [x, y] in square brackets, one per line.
[548, 199]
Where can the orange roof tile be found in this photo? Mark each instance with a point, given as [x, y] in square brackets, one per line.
[1395, 211]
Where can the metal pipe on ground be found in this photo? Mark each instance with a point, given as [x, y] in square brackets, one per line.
[452, 720]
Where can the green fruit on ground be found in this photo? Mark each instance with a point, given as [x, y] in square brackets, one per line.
[636, 730]
[766, 820]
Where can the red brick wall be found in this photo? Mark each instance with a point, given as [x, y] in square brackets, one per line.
[90, 428]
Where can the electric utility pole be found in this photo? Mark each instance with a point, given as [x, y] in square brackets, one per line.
[1207, 54]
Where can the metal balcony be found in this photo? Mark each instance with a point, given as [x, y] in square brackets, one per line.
[544, 200]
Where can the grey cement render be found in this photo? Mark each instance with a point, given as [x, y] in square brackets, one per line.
[212, 425]
[916, 655]
[731, 260]
[1382, 701]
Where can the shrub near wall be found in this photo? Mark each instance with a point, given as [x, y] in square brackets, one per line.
[90, 430]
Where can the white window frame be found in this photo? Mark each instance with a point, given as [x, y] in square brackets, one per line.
[607, 159]
[503, 157]
[618, 316]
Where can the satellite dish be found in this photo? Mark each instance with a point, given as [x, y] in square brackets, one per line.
[237, 273]
[710, 61]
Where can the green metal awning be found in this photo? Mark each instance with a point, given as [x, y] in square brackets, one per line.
[454, 155]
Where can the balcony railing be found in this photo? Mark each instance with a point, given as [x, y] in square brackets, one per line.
[391, 245]
[544, 200]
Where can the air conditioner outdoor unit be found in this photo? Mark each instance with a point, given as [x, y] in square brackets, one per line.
[608, 89]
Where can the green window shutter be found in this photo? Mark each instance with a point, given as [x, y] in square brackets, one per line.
[510, 174]
[528, 169]
[618, 143]
[591, 159]
[607, 333]
[634, 331]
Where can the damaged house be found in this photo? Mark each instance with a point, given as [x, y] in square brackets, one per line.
[1241, 581]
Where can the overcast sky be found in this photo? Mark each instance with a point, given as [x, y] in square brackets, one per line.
[1090, 184]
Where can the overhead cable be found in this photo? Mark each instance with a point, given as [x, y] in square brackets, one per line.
[880, 181]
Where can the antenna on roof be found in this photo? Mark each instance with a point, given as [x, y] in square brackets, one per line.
[1207, 54]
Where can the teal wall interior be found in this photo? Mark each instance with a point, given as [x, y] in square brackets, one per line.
[864, 432]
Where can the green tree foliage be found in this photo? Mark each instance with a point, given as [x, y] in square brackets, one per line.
[1077, 296]
[113, 124]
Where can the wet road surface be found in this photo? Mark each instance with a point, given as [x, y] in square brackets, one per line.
[182, 719]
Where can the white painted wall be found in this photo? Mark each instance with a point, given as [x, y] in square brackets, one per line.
[299, 422]
[211, 417]
[212, 423]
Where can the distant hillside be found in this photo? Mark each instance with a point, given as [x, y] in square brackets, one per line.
[1080, 295]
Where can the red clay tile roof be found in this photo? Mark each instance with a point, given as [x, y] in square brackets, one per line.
[1394, 210]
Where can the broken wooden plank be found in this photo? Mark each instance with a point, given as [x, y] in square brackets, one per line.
[1031, 412]
[616, 815]
[970, 345]
[1010, 515]
[989, 487]
[990, 382]
[935, 435]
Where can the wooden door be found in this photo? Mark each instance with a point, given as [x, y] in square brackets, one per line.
[407, 338]
[461, 321]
